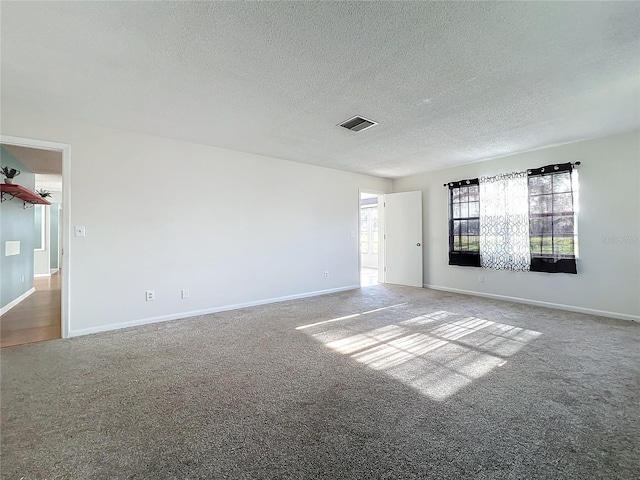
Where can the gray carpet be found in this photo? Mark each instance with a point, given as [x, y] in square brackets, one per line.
[429, 385]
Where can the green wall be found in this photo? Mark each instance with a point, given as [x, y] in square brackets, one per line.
[16, 223]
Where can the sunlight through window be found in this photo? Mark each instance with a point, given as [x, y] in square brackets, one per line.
[436, 353]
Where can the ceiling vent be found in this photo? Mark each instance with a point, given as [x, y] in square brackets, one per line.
[357, 124]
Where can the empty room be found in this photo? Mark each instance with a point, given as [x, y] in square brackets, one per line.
[320, 240]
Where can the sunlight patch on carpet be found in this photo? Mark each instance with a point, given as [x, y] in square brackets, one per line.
[437, 353]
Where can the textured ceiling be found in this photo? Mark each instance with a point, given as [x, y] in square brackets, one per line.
[449, 82]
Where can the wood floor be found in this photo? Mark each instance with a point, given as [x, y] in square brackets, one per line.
[36, 318]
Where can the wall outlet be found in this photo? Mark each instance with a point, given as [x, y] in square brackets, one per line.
[481, 278]
[184, 293]
[150, 295]
[22, 279]
[326, 274]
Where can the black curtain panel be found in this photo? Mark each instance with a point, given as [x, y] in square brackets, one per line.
[552, 231]
[464, 223]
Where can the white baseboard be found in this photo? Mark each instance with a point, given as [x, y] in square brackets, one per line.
[39, 275]
[15, 302]
[53, 270]
[194, 313]
[559, 306]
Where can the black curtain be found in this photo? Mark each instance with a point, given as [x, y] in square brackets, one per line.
[464, 221]
[552, 219]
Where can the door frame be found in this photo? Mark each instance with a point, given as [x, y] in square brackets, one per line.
[65, 149]
[380, 194]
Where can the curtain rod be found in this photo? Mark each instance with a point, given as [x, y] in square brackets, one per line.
[574, 164]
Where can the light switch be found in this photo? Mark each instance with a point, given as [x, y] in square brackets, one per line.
[81, 231]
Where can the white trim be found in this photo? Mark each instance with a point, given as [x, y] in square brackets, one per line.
[558, 306]
[178, 316]
[15, 302]
[65, 224]
[42, 275]
[53, 270]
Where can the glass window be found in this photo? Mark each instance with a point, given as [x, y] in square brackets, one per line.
[464, 223]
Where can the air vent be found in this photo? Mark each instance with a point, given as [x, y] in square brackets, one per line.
[357, 124]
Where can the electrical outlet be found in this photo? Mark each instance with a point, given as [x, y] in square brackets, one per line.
[150, 295]
[326, 274]
[481, 278]
[184, 293]
[22, 279]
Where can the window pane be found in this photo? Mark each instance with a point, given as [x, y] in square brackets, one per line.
[540, 225]
[563, 203]
[464, 243]
[456, 243]
[456, 210]
[547, 246]
[539, 184]
[463, 227]
[455, 195]
[456, 227]
[464, 194]
[364, 247]
[541, 246]
[364, 217]
[474, 193]
[474, 209]
[464, 210]
[474, 244]
[374, 248]
[473, 227]
[540, 203]
[561, 182]
[563, 245]
[563, 225]
[536, 244]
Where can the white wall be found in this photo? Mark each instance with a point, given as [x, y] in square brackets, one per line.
[608, 278]
[161, 214]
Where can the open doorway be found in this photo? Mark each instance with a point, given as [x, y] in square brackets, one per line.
[370, 244]
[35, 275]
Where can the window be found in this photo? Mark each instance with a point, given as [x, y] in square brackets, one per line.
[364, 230]
[520, 221]
[464, 223]
[552, 222]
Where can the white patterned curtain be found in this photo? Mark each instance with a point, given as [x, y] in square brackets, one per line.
[504, 222]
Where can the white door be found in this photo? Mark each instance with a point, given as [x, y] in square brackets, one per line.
[403, 238]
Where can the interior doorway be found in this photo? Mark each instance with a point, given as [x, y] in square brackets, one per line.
[40, 284]
[370, 239]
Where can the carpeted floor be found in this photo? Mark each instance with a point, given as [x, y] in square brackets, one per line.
[379, 383]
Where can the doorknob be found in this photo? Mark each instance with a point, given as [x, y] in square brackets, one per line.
[418, 245]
